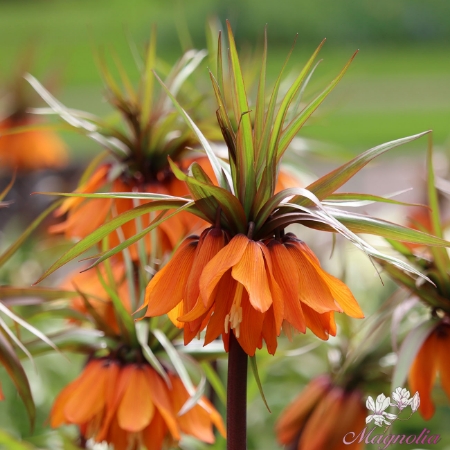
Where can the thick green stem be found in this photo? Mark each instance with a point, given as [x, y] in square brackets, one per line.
[236, 397]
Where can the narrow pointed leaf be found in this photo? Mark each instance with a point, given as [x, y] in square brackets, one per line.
[215, 381]
[7, 292]
[229, 203]
[440, 256]
[358, 200]
[359, 223]
[245, 153]
[130, 241]
[142, 332]
[24, 236]
[9, 360]
[260, 99]
[329, 183]
[104, 230]
[277, 129]
[175, 359]
[218, 171]
[294, 127]
[5, 191]
[148, 79]
[254, 367]
[409, 349]
[27, 326]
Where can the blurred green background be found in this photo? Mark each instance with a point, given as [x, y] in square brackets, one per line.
[399, 84]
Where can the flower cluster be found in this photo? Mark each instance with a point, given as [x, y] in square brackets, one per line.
[251, 288]
[130, 406]
[320, 417]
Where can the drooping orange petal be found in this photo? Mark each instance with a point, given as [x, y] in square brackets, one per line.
[269, 331]
[160, 397]
[119, 438]
[88, 398]
[293, 418]
[320, 426]
[192, 329]
[166, 288]
[250, 271]
[222, 304]
[88, 217]
[113, 394]
[95, 182]
[339, 290]
[250, 329]
[322, 325]
[351, 418]
[195, 422]
[57, 416]
[153, 436]
[214, 415]
[175, 313]
[422, 374]
[224, 260]
[211, 242]
[442, 355]
[288, 281]
[313, 291]
[136, 408]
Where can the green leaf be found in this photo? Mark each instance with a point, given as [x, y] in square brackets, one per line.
[273, 202]
[230, 205]
[254, 367]
[7, 292]
[277, 130]
[217, 167]
[148, 79]
[97, 319]
[263, 144]
[294, 127]
[215, 381]
[27, 326]
[408, 351]
[176, 360]
[357, 200]
[142, 333]
[79, 340]
[359, 223]
[124, 319]
[11, 443]
[440, 256]
[329, 183]
[5, 191]
[24, 236]
[260, 99]
[371, 225]
[15, 370]
[245, 153]
[104, 230]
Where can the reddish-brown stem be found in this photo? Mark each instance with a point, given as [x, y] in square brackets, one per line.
[236, 396]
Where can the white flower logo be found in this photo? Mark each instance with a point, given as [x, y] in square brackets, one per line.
[400, 399]
[377, 407]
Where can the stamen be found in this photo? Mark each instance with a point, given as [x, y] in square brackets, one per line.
[227, 323]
